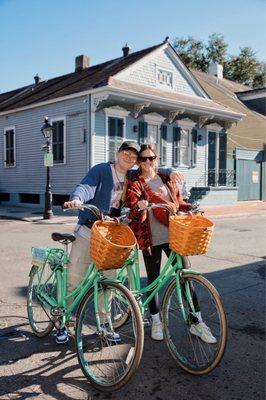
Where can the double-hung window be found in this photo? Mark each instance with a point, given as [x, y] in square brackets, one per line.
[58, 141]
[115, 135]
[184, 147]
[9, 147]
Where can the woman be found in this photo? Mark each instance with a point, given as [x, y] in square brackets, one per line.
[152, 232]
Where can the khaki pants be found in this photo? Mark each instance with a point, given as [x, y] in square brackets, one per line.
[79, 261]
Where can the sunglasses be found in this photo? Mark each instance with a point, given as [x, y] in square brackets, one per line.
[143, 159]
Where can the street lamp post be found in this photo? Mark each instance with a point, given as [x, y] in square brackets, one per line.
[47, 131]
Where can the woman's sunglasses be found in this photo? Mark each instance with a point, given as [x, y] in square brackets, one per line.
[143, 159]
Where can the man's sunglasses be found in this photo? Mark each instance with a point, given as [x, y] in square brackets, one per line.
[143, 159]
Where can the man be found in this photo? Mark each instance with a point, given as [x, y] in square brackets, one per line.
[103, 187]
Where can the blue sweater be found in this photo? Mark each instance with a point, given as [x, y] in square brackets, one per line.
[96, 189]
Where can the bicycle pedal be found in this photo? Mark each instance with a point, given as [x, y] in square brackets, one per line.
[57, 311]
[146, 322]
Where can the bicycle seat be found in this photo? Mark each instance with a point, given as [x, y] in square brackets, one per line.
[66, 237]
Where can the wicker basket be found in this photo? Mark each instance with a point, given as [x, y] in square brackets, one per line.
[111, 244]
[190, 235]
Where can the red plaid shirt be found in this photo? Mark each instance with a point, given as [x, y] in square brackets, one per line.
[140, 223]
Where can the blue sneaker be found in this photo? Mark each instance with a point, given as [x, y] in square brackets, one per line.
[110, 336]
[62, 336]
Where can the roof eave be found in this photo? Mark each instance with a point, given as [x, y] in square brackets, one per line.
[203, 110]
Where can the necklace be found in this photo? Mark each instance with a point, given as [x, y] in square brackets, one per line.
[122, 175]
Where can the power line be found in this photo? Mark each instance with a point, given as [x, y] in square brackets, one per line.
[243, 137]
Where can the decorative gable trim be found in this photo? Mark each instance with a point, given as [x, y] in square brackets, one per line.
[177, 63]
[139, 107]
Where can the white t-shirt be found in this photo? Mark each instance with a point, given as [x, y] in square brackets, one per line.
[159, 232]
[119, 181]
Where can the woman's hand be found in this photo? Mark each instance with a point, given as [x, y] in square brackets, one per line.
[177, 176]
[72, 204]
[143, 204]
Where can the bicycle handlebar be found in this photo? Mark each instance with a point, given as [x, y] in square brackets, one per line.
[99, 214]
[194, 209]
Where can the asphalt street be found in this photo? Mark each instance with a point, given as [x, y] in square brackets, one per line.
[32, 368]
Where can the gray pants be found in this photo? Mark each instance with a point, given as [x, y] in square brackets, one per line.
[79, 261]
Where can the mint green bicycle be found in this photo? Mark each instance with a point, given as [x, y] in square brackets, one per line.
[187, 293]
[100, 303]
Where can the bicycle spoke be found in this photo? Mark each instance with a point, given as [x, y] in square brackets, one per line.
[186, 336]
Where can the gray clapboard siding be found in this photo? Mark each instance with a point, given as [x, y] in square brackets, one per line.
[29, 175]
[145, 74]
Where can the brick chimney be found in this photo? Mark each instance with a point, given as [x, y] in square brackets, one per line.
[216, 70]
[81, 62]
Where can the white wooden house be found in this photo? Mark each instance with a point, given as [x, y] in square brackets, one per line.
[148, 96]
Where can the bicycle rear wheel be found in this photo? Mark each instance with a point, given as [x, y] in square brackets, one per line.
[188, 350]
[42, 282]
[109, 366]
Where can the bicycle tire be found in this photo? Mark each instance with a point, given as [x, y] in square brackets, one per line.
[99, 360]
[38, 316]
[181, 343]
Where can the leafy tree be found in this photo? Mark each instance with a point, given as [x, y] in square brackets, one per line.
[260, 77]
[216, 49]
[191, 52]
[244, 67]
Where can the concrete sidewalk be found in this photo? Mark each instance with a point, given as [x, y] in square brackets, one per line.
[240, 209]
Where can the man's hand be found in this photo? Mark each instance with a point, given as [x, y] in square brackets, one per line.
[72, 204]
[177, 176]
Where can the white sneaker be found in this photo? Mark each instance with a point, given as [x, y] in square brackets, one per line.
[156, 331]
[203, 332]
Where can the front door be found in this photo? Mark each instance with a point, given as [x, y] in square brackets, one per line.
[222, 159]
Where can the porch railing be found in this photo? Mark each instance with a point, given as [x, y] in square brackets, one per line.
[221, 177]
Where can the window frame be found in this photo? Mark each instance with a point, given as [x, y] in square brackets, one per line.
[117, 140]
[6, 129]
[162, 85]
[114, 112]
[190, 127]
[57, 119]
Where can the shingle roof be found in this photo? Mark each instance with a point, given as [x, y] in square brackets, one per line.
[225, 85]
[74, 82]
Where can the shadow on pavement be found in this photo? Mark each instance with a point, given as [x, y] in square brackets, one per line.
[240, 375]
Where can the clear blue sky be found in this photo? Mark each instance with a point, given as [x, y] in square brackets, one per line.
[45, 36]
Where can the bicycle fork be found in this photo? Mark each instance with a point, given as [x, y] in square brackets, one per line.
[187, 290]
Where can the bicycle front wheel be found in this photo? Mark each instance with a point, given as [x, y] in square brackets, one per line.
[109, 364]
[42, 283]
[188, 349]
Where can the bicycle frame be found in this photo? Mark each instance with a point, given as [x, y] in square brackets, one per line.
[92, 278]
[172, 267]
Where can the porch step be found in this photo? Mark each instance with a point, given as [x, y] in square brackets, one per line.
[198, 192]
